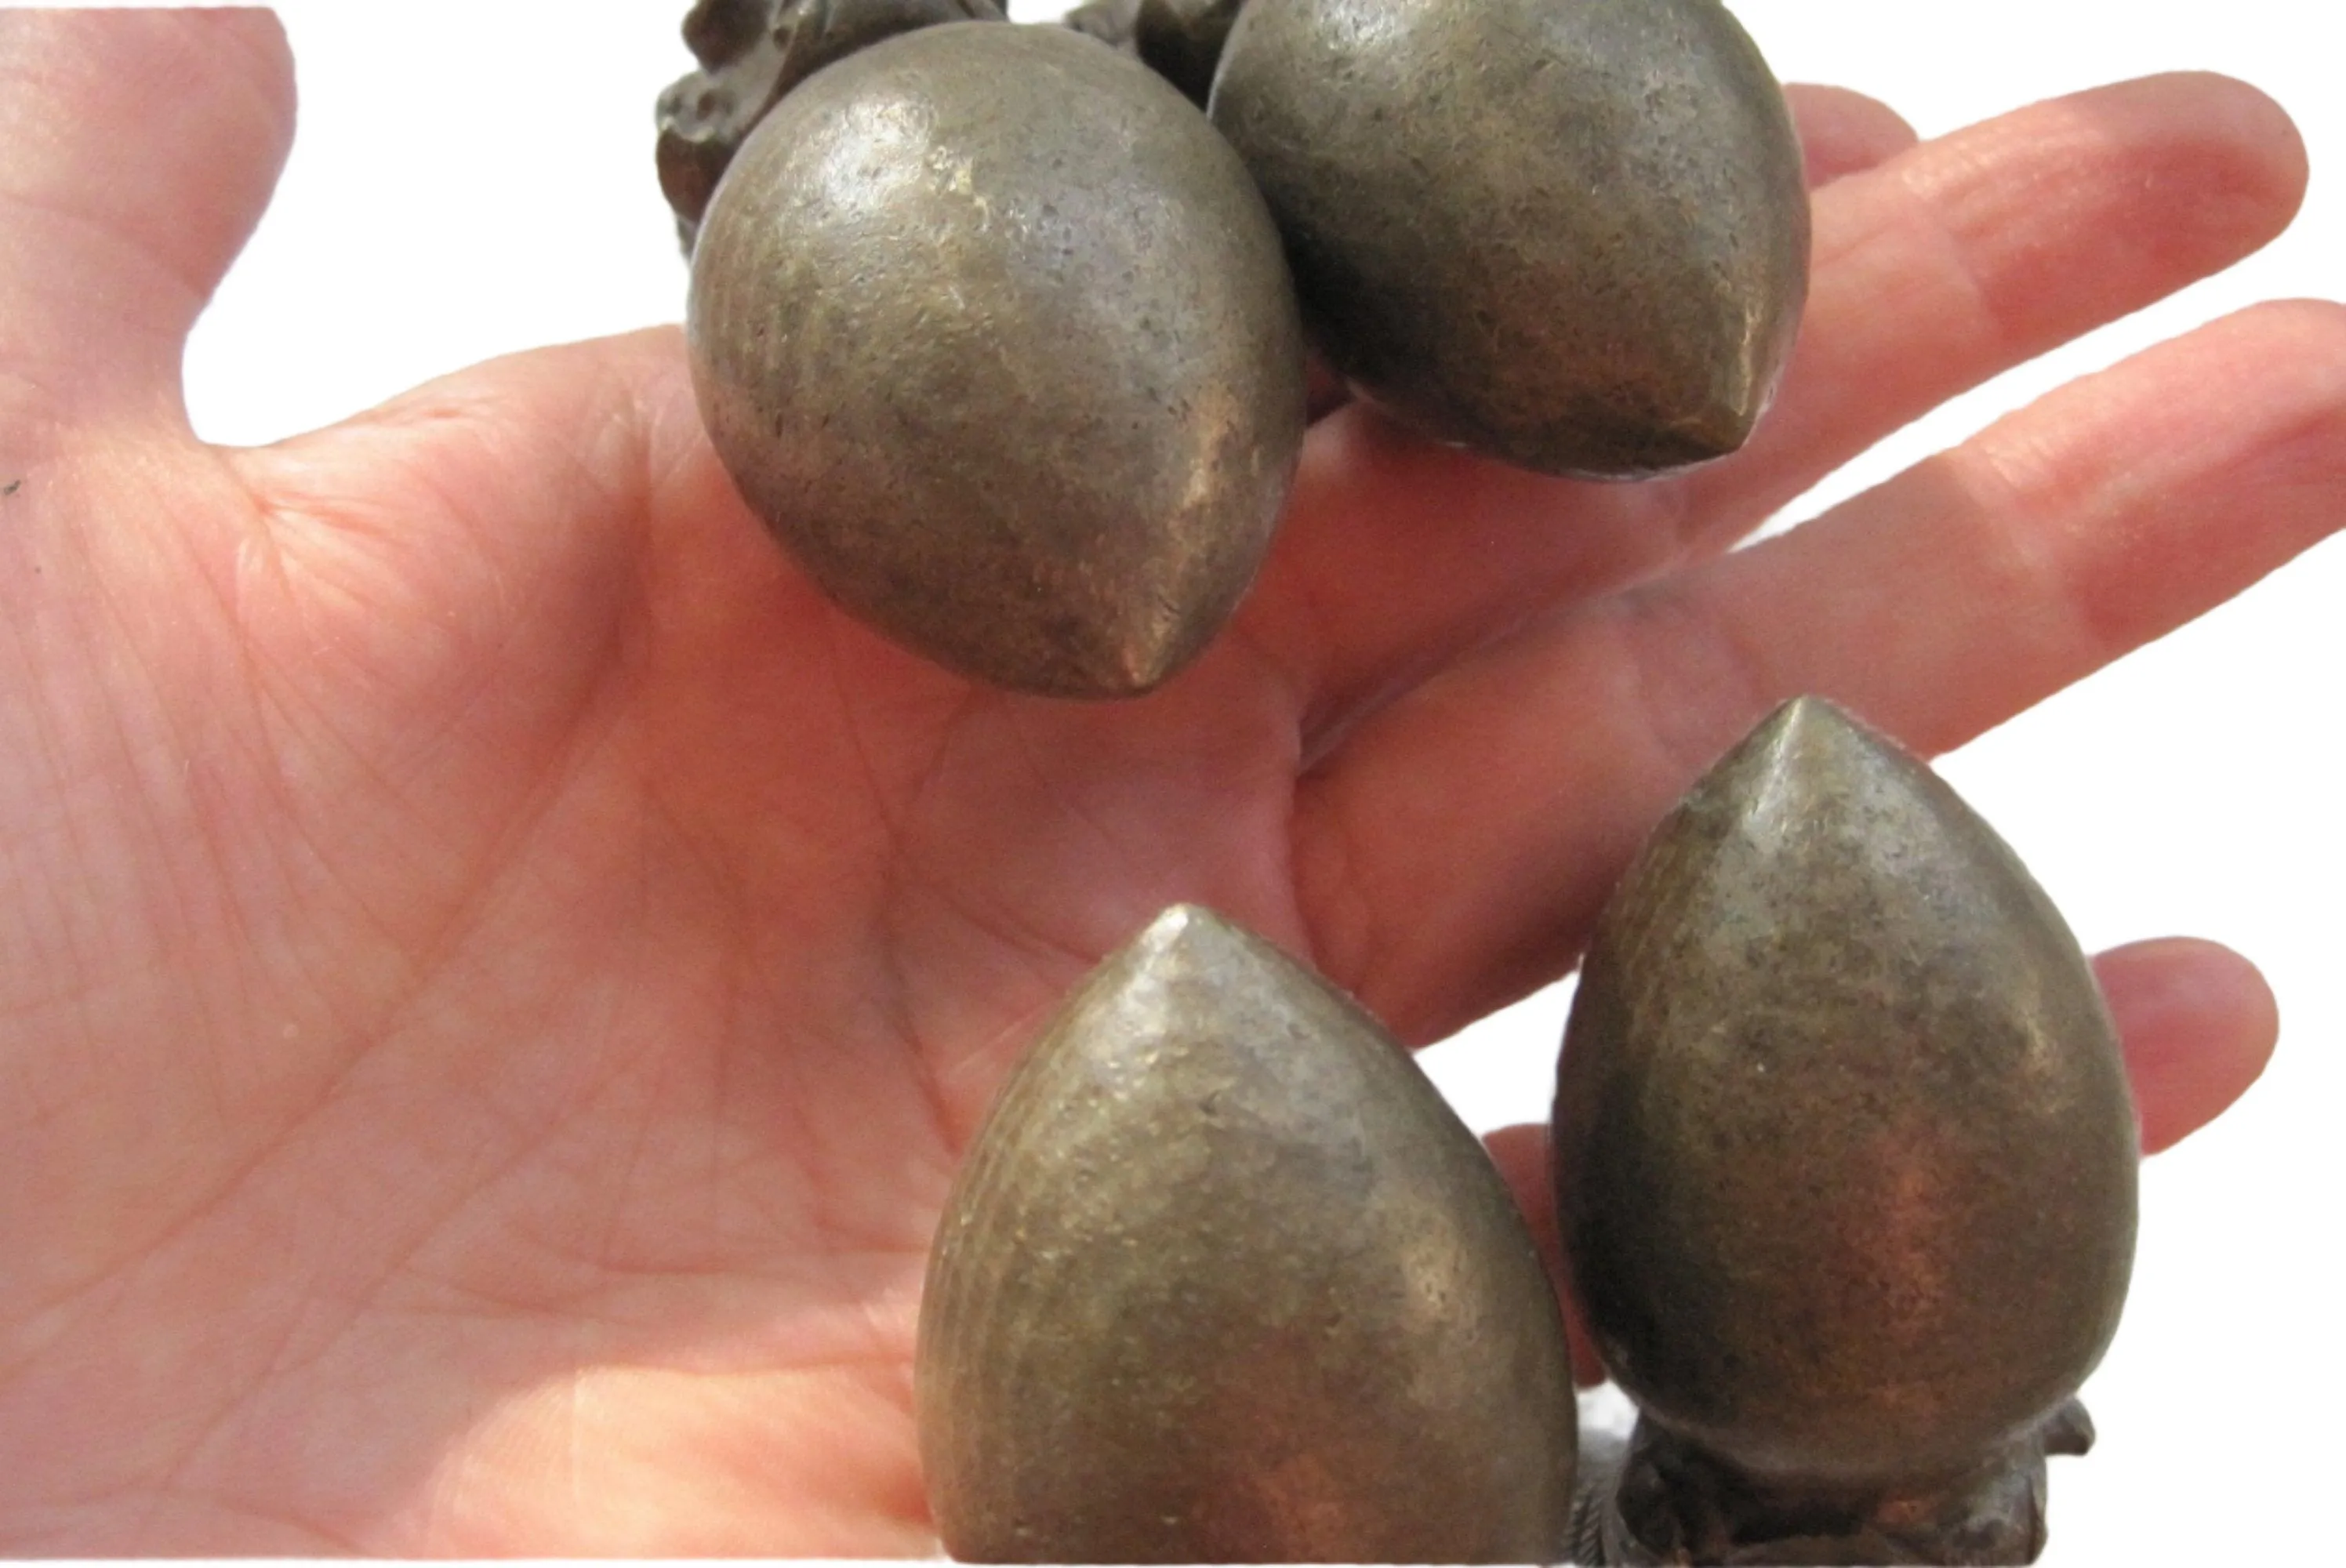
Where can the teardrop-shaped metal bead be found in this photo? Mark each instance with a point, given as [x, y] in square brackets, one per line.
[1845, 1153]
[1575, 237]
[1225, 1279]
[995, 334]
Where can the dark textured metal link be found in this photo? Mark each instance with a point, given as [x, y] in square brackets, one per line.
[751, 52]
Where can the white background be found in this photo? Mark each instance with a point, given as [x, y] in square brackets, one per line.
[474, 178]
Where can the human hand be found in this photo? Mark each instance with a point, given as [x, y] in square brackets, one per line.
[496, 972]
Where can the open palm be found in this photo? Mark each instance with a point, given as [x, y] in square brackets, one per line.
[496, 975]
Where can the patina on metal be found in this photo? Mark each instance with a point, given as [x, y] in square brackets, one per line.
[995, 333]
[1845, 1161]
[1671, 1501]
[1573, 237]
[1225, 1279]
[751, 52]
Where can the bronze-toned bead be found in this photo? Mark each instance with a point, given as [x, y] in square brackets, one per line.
[1845, 1155]
[994, 332]
[1223, 1278]
[1573, 236]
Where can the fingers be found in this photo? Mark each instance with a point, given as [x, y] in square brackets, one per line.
[1843, 133]
[1992, 246]
[2198, 1024]
[1955, 261]
[136, 151]
[1452, 854]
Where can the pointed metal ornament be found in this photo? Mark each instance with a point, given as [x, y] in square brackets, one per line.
[1224, 1279]
[1573, 237]
[996, 336]
[1845, 1159]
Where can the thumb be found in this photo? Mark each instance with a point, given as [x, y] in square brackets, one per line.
[138, 149]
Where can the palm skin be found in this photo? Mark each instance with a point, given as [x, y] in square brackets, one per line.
[496, 975]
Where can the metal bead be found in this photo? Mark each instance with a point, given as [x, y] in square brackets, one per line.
[994, 332]
[1573, 236]
[1845, 1155]
[1224, 1279]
